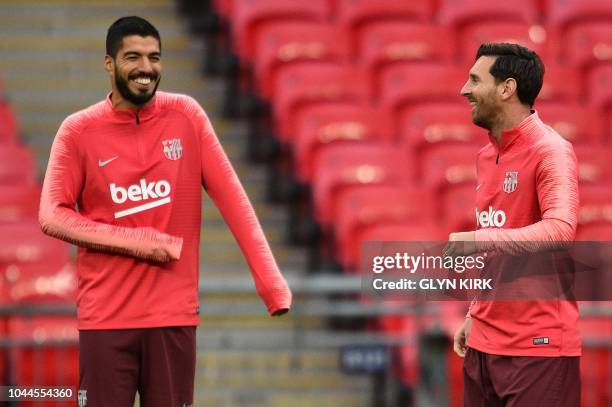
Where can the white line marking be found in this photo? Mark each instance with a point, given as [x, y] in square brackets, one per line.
[141, 208]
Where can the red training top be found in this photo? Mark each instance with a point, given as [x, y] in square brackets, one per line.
[137, 179]
[527, 200]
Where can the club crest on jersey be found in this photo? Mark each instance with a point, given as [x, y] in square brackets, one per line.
[510, 182]
[173, 149]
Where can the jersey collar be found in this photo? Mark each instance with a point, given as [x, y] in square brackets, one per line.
[134, 115]
[523, 131]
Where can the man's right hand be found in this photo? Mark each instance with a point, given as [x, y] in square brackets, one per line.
[461, 337]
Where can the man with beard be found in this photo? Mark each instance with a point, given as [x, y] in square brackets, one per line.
[134, 164]
[519, 353]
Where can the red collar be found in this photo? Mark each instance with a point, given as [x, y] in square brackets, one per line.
[524, 130]
[134, 115]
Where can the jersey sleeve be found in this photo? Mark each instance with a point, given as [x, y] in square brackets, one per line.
[58, 217]
[224, 188]
[557, 189]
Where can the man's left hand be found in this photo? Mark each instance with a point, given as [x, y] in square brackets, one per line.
[460, 244]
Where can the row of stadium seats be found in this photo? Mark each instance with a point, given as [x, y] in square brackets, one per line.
[364, 106]
[38, 348]
[561, 16]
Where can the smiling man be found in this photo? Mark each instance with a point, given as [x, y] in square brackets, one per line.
[124, 183]
[518, 353]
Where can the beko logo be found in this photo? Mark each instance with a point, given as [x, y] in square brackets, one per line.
[157, 193]
[491, 218]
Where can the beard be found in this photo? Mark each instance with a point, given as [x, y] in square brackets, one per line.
[140, 98]
[485, 115]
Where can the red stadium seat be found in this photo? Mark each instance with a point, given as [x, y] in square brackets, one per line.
[9, 129]
[320, 126]
[249, 14]
[398, 232]
[364, 206]
[574, 122]
[458, 206]
[439, 123]
[49, 354]
[596, 232]
[304, 84]
[355, 15]
[35, 267]
[458, 13]
[442, 166]
[338, 167]
[281, 43]
[405, 85]
[565, 15]
[16, 165]
[561, 84]
[594, 164]
[18, 202]
[588, 44]
[562, 13]
[595, 204]
[600, 87]
[529, 35]
[384, 43]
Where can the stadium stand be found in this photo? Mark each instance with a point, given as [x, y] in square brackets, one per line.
[362, 99]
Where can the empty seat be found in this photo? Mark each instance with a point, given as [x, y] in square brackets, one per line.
[16, 165]
[459, 13]
[600, 87]
[355, 15]
[330, 124]
[19, 202]
[249, 14]
[448, 165]
[48, 354]
[361, 207]
[595, 204]
[348, 165]
[563, 13]
[562, 83]
[573, 121]
[439, 123]
[36, 267]
[281, 43]
[9, 130]
[588, 44]
[404, 85]
[458, 204]
[308, 83]
[385, 43]
[594, 163]
[531, 36]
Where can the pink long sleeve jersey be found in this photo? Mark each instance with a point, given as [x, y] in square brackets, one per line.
[527, 200]
[137, 177]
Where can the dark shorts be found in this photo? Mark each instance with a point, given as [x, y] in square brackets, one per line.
[520, 381]
[159, 363]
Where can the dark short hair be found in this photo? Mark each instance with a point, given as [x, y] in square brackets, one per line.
[517, 62]
[126, 26]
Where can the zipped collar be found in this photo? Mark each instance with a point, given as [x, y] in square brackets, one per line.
[133, 115]
[523, 133]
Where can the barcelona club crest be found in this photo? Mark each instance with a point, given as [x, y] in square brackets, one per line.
[173, 149]
[510, 182]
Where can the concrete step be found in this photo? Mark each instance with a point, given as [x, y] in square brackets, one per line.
[269, 360]
[278, 381]
[263, 398]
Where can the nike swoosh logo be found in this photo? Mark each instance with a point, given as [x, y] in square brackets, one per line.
[478, 187]
[103, 163]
